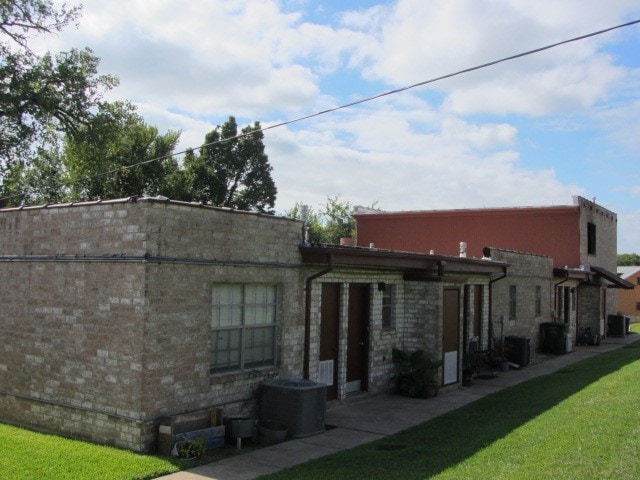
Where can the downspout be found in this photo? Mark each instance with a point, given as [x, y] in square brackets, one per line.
[307, 314]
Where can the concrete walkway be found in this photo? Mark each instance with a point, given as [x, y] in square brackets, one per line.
[359, 421]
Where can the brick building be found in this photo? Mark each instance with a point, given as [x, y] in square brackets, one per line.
[115, 314]
[581, 237]
[629, 299]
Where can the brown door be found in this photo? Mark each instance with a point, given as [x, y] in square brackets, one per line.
[357, 338]
[450, 334]
[329, 322]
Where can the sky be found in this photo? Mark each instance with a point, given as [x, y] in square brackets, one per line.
[532, 131]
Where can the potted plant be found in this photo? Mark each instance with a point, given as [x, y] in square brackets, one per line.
[416, 373]
[189, 448]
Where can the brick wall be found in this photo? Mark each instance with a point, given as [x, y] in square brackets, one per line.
[525, 272]
[628, 300]
[381, 340]
[417, 321]
[106, 311]
[589, 302]
[606, 248]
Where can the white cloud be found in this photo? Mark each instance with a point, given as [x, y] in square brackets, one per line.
[424, 40]
[407, 159]
[629, 232]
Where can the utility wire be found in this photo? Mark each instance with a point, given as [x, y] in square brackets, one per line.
[357, 102]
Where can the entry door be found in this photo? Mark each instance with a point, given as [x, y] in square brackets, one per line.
[451, 334]
[357, 338]
[329, 322]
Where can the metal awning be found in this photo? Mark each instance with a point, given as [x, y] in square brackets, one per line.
[434, 265]
[613, 278]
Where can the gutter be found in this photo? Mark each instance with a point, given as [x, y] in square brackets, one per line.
[307, 314]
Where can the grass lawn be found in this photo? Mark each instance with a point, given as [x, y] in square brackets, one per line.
[27, 455]
[579, 423]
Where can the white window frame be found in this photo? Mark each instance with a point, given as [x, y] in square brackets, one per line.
[244, 319]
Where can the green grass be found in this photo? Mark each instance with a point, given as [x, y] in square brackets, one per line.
[28, 455]
[579, 423]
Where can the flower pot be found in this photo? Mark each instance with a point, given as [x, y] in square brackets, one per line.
[430, 390]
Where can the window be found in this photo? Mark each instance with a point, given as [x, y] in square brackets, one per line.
[512, 302]
[637, 280]
[591, 238]
[387, 306]
[243, 327]
[638, 306]
[538, 300]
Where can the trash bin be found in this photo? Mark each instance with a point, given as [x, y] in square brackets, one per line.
[617, 325]
[517, 350]
[553, 338]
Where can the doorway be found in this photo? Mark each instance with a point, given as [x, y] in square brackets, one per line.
[450, 334]
[357, 338]
[329, 324]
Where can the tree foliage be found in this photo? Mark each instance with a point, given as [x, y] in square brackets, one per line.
[331, 222]
[628, 259]
[42, 97]
[60, 141]
[97, 158]
[21, 19]
[97, 162]
[232, 170]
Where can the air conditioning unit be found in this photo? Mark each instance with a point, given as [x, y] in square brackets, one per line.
[299, 404]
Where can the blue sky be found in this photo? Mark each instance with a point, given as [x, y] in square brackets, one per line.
[532, 131]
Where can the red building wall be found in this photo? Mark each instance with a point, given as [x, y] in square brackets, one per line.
[551, 231]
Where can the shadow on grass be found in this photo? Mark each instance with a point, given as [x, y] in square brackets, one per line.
[428, 449]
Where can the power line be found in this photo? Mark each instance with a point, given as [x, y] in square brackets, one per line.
[352, 104]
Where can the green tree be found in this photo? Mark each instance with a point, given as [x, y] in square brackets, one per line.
[313, 222]
[338, 220]
[628, 259]
[232, 170]
[333, 220]
[41, 181]
[41, 97]
[99, 159]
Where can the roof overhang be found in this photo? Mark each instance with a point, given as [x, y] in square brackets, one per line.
[419, 266]
[572, 273]
[616, 281]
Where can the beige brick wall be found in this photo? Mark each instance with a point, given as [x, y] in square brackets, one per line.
[417, 321]
[606, 255]
[106, 311]
[526, 271]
